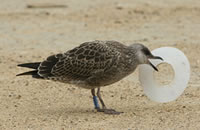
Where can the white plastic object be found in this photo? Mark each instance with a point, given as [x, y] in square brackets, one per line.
[172, 91]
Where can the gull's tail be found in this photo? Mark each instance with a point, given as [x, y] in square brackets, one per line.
[34, 72]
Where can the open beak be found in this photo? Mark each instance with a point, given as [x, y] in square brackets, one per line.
[154, 57]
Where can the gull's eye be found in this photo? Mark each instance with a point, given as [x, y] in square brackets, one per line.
[146, 51]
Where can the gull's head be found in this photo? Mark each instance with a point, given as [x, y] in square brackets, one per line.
[143, 54]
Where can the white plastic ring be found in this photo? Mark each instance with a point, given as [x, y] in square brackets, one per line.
[172, 91]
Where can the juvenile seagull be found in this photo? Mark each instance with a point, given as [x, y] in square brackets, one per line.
[93, 65]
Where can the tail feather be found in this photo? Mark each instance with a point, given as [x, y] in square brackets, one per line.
[30, 65]
[34, 73]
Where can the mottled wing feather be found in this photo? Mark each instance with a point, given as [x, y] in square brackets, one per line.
[46, 66]
[82, 62]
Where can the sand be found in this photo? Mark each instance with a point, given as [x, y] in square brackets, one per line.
[32, 34]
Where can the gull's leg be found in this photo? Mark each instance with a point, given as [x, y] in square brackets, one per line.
[95, 100]
[104, 109]
[100, 99]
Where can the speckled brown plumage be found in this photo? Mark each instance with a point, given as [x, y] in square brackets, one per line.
[90, 65]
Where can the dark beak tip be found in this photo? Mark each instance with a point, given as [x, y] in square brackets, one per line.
[154, 67]
[158, 57]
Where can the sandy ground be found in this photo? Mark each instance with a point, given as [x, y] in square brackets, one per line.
[33, 34]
